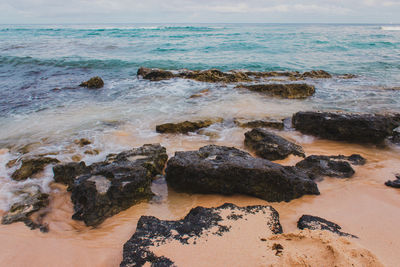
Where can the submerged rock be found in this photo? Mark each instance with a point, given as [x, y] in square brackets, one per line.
[264, 123]
[359, 128]
[93, 83]
[185, 127]
[227, 170]
[30, 200]
[114, 185]
[82, 142]
[154, 74]
[333, 166]
[270, 146]
[291, 91]
[200, 223]
[31, 166]
[317, 223]
[394, 183]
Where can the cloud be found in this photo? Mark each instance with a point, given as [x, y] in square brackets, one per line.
[97, 11]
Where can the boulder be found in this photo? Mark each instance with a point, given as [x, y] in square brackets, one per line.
[154, 74]
[291, 91]
[185, 127]
[30, 200]
[317, 223]
[270, 146]
[394, 183]
[116, 184]
[333, 166]
[199, 225]
[66, 173]
[359, 128]
[31, 166]
[93, 83]
[316, 74]
[226, 170]
[264, 123]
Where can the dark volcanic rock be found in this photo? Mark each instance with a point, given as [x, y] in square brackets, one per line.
[291, 91]
[264, 123]
[31, 200]
[394, 183]
[359, 128]
[227, 170]
[185, 127]
[31, 166]
[93, 83]
[395, 138]
[334, 166]
[199, 223]
[154, 74]
[115, 184]
[66, 173]
[317, 223]
[270, 146]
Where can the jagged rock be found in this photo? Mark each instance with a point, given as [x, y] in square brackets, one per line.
[93, 83]
[317, 223]
[394, 183]
[333, 166]
[154, 74]
[199, 223]
[185, 127]
[31, 166]
[291, 91]
[227, 170]
[30, 200]
[215, 75]
[116, 184]
[359, 128]
[66, 173]
[316, 74]
[270, 146]
[267, 123]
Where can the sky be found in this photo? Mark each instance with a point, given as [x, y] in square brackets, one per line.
[199, 11]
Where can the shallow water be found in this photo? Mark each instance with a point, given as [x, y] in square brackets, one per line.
[36, 59]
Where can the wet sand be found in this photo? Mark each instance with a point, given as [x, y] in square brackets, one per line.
[362, 205]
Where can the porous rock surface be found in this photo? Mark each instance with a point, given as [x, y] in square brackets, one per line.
[318, 223]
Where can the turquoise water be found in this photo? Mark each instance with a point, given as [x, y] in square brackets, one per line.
[36, 59]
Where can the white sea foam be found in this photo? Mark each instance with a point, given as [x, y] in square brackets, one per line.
[390, 28]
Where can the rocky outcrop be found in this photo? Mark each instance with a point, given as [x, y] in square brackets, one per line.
[154, 74]
[270, 146]
[106, 188]
[316, 74]
[30, 200]
[317, 223]
[291, 91]
[264, 123]
[93, 83]
[186, 126]
[31, 166]
[199, 224]
[227, 170]
[359, 128]
[333, 166]
[394, 183]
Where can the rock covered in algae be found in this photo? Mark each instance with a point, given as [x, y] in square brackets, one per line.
[291, 91]
[93, 83]
[31, 166]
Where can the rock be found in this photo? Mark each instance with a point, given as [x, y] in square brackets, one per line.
[31, 166]
[395, 138]
[116, 184]
[200, 223]
[214, 75]
[11, 163]
[316, 74]
[394, 183]
[92, 152]
[359, 128]
[66, 173]
[82, 142]
[76, 158]
[30, 200]
[317, 166]
[317, 223]
[264, 123]
[227, 170]
[155, 74]
[185, 127]
[93, 83]
[270, 146]
[291, 91]
[200, 94]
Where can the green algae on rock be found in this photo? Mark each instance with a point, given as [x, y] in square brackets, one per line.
[31, 166]
[290, 91]
[93, 83]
